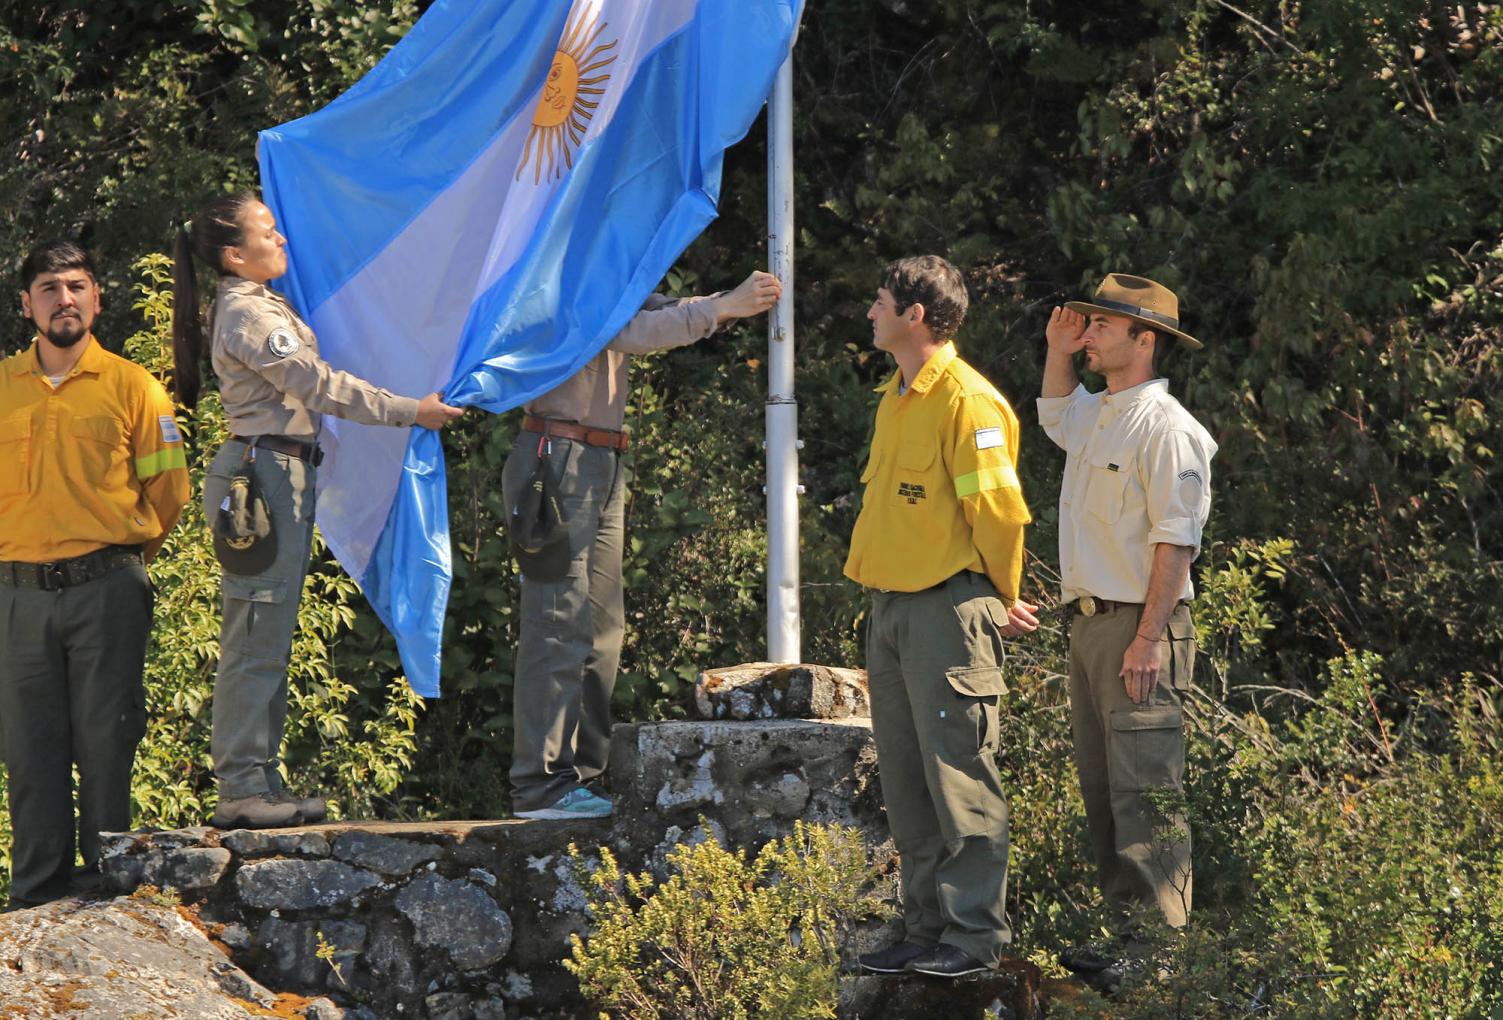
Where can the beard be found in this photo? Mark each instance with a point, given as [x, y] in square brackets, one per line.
[66, 331]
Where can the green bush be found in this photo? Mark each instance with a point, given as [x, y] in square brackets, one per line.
[724, 938]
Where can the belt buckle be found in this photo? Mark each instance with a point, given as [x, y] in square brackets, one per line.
[1088, 605]
[54, 576]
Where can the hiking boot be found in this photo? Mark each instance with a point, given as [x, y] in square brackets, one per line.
[577, 803]
[258, 811]
[314, 809]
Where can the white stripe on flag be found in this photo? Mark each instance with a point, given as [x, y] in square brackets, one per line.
[419, 288]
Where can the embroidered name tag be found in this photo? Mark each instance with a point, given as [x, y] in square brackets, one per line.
[170, 434]
[988, 438]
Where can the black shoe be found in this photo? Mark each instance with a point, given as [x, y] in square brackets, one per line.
[1091, 957]
[892, 959]
[945, 960]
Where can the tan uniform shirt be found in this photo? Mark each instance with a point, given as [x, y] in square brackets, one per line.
[1137, 473]
[272, 380]
[595, 396]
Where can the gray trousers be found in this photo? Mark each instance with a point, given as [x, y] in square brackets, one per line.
[934, 663]
[260, 617]
[70, 694]
[1130, 755]
[571, 628]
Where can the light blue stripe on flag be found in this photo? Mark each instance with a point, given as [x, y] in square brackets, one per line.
[480, 215]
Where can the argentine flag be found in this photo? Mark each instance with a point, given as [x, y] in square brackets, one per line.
[479, 215]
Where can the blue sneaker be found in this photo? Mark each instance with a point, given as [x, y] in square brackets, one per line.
[577, 803]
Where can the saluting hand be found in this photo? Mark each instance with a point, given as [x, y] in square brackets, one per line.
[756, 294]
[1065, 330]
[434, 414]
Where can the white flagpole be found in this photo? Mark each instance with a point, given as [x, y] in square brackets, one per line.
[782, 409]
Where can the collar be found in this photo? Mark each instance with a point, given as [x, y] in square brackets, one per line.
[936, 366]
[1123, 399]
[229, 283]
[92, 361]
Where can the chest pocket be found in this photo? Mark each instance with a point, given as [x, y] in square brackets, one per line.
[100, 444]
[916, 477]
[15, 456]
[1111, 485]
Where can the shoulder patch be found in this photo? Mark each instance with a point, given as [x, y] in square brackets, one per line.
[170, 434]
[282, 343]
[988, 438]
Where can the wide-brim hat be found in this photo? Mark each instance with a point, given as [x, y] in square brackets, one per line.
[1152, 304]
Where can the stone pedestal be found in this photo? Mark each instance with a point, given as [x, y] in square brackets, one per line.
[443, 920]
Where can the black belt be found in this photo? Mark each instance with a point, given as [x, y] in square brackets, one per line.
[932, 587]
[66, 573]
[311, 452]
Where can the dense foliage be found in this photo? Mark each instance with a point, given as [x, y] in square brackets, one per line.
[1320, 181]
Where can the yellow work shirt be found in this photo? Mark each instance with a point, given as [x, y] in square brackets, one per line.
[942, 492]
[92, 461]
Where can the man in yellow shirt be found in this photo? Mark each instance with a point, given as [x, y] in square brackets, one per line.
[939, 541]
[92, 477]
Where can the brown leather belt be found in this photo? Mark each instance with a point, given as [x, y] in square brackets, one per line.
[608, 438]
[66, 573]
[1090, 605]
[285, 444]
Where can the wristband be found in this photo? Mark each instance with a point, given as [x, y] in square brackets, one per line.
[1145, 637]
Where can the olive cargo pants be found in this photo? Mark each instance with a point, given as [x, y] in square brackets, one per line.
[571, 626]
[260, 618]
[1129, 754]
[934, 662]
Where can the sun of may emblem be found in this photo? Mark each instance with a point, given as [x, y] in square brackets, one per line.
[564, 111]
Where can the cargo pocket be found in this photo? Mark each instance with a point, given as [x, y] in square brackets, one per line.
[15, 455]
[1147, 749]
[251, 606]
[916, 478]
[1181, 657]
[1106, 488]
[977, 690]
[101, 448]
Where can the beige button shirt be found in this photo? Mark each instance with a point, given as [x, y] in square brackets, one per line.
[272, 380]
[595, 396]
[1137, 473]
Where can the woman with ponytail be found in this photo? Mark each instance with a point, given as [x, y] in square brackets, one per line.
[275, 389]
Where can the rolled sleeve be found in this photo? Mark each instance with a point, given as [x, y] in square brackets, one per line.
[1063, 418]
[663, 323]
[1178, 471]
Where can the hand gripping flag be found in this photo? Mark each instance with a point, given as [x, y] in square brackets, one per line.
[480, 214]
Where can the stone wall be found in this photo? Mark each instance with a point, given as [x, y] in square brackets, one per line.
[469, 920]
[450, 920]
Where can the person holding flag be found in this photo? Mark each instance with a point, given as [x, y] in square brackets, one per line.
[572, 613]
[259, 491]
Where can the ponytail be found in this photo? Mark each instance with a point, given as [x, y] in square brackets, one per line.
[214, 229]
[187, 323]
